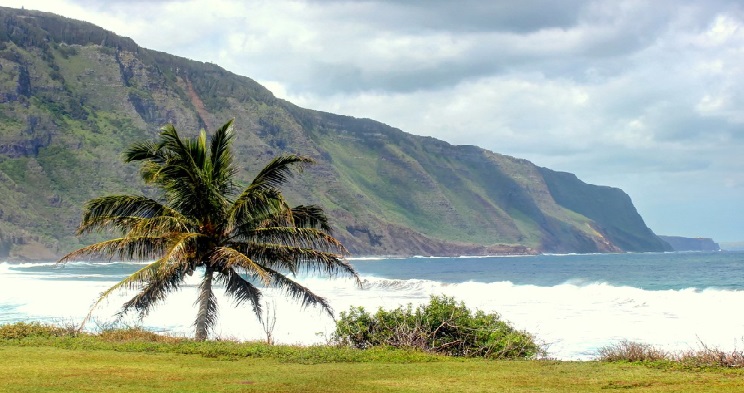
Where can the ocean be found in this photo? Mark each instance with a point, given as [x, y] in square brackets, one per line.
[574, 304]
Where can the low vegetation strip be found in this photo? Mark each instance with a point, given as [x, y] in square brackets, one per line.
[49, 369]
[133, 339]
[44, 358]
[704, 357]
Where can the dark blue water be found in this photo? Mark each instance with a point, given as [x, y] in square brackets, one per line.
[93, 271]
[649, 271]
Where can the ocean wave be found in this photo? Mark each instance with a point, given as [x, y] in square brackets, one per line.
[21, 265]
[107, 263]
[572, 254]
[496, 256]
[397, 285]
[373, 281]
[26, 265]
[577, 315]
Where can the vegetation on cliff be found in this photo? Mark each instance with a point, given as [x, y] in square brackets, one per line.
[74, 95]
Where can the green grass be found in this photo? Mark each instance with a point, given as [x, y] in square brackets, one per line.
[39, 358]
[50, 369]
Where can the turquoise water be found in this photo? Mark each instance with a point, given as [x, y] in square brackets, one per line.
[574, 303]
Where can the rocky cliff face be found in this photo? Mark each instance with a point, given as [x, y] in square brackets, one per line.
[73, 96]
[609, 208]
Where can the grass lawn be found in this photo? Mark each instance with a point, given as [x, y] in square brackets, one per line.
[32, 368]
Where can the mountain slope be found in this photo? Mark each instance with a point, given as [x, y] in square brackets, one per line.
[679, 243]
[73, 96]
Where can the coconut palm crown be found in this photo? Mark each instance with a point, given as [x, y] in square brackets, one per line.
[201, 223]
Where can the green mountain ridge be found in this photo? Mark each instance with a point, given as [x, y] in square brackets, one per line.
[73, 96]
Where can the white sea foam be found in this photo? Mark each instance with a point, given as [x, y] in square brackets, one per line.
[575, 317]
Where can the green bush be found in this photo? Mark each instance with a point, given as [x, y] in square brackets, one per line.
[443, 326]
[20, 330]
[134, 333]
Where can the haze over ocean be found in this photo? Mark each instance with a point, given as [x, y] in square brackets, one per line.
[575, 303]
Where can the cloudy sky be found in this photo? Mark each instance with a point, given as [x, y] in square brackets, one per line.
[647, 96]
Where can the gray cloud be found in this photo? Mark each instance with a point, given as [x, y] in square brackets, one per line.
[460, 16]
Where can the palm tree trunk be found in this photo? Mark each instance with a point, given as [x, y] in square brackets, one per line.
[206, 306]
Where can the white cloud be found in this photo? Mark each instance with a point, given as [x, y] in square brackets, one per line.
[723, 29]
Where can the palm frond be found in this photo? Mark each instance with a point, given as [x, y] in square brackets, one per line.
[241, 290]
[255, 205]
[150, 171]
[179, 166]
[310, 216]
[185, 177]
[142, 275]
[159, 226]
[198, 149]
[192, 152]
[221, 158]
[230, 258]
[297, 237]
[128, 248]
[294, 259]
[152, 156]
[278, 171]
[121, 211]
[175, 260]
[294, 290]
[135, 248]
[168, 271]
[171, 142]
[154, 291]
[140, 151]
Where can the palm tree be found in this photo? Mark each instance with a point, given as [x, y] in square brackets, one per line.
[240, 240]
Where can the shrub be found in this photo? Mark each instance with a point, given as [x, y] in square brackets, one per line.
[631, 351]
[443, 326]
[20, 330]
[712, 357]
[135, 334]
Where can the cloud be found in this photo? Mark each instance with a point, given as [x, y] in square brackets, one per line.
[463, 16]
